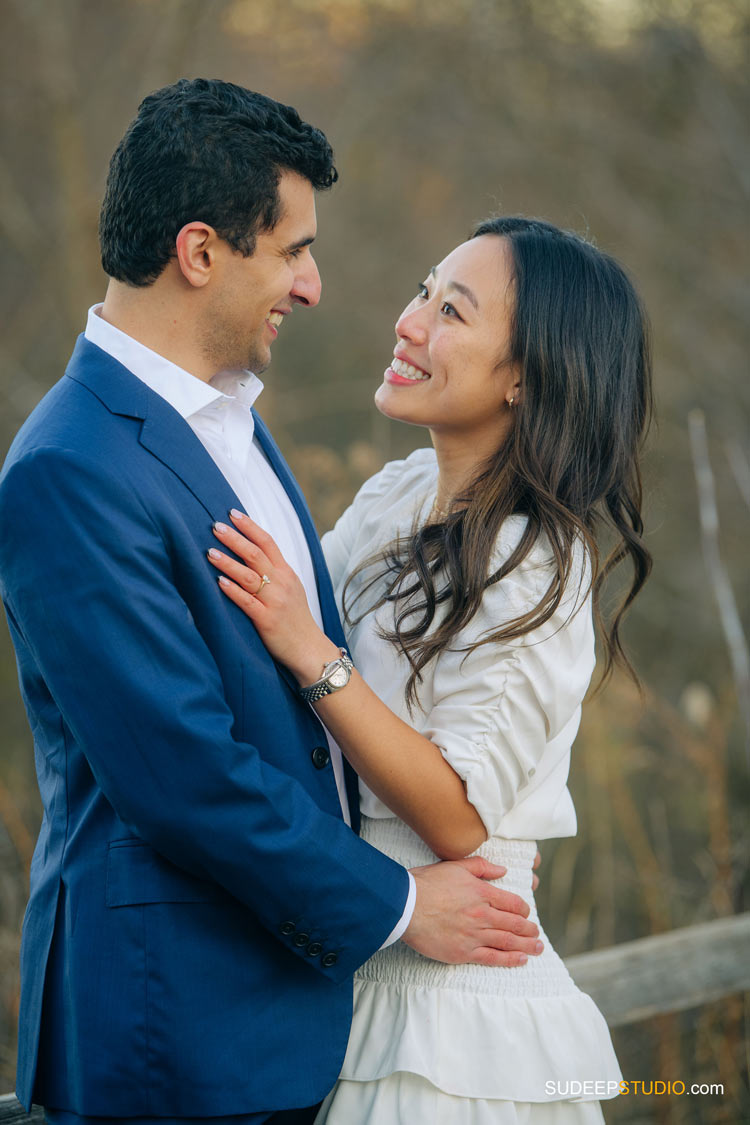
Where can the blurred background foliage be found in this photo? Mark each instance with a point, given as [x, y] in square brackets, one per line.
[626, 120]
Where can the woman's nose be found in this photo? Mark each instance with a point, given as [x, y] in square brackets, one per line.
[411, 325]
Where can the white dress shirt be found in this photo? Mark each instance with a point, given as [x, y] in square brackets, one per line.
[220, 415]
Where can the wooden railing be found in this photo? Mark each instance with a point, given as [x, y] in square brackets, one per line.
[667, 973]
[629, 982]
[13, 1113]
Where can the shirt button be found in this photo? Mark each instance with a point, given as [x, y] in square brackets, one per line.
[329, 960]
[301, 940]
[532, 771]
[320, 757]
[287, 928]
[314, 949]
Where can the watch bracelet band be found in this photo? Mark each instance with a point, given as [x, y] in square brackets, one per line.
[315, 692]
[322, 687]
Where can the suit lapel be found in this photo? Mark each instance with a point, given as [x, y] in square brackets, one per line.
[331, 621]
[164, 433]
[329, 611]
[168, 437]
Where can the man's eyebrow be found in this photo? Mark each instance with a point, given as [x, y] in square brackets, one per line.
[299, 245]
[461, 289]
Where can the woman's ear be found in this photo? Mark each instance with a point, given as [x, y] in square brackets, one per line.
[513, 396]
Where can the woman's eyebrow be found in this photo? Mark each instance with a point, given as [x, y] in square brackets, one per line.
[461, 289]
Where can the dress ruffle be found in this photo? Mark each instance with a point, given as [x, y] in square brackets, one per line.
[408, 1099]
[526, 1034]
[480, 1046]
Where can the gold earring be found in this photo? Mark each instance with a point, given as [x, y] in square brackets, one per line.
[511, 400]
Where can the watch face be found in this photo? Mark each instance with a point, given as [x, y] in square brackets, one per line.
[339, 678]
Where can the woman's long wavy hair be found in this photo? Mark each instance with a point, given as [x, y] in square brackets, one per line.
[570, 462]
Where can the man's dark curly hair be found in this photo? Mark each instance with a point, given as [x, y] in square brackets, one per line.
[202, 150]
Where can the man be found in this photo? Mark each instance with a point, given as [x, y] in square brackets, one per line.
[198, 900]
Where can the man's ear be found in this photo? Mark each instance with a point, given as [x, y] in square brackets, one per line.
[196, 250]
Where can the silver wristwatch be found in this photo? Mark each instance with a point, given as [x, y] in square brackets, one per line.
[336, 675]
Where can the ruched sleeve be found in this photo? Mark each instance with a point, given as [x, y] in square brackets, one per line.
[504, 715]
[376, 498]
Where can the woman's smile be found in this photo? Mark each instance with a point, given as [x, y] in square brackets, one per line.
[405, 373]
[453, 340]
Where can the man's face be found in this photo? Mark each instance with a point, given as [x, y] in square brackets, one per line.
[251, 296]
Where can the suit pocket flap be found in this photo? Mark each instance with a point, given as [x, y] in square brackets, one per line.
[136, 874]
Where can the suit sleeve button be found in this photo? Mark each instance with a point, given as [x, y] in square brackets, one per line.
[329, 960]
[287, 928]
[320, 757]
[314, 949]
[301, 940]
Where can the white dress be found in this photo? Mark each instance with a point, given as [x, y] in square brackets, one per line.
[464, 1044]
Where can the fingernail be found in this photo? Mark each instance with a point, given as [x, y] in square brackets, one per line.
[522, 959]
[224, 581]
[214, 554]
[539, 946]
[221, 528]
[236, 515]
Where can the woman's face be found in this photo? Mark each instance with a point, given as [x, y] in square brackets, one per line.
[450, 369]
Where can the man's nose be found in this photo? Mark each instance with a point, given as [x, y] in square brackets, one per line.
[307, 285]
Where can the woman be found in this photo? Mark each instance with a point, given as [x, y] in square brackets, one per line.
[466, 576]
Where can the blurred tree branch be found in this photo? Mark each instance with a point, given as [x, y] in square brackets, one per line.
[740, 468]
[728, 613]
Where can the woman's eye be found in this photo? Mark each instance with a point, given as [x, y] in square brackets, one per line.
[422, 291]
[448, 309]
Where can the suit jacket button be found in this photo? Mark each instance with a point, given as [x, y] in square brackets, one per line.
[320, 757]
[301, 939]
[314, 949]
[329, 960]
[287, 928]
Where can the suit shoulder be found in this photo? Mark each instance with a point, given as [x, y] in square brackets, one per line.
[63, 418]
[69, 422]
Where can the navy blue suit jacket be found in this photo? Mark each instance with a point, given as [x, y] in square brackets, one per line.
[198, 905]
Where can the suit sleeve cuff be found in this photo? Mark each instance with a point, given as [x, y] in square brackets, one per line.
[405, 919]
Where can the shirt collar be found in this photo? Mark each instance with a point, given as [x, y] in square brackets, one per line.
[241, 385]
[185, 392]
